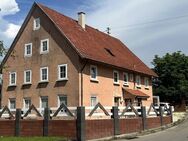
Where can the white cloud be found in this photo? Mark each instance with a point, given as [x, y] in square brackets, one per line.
[12, 30]
[8, 7]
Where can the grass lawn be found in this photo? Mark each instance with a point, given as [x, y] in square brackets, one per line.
[32, 139]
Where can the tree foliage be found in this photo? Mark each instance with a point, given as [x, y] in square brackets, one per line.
[172, 83]
[2, 49]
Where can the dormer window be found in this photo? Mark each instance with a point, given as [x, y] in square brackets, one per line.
[44, 46]
[93, 73]
[36, 24]
[28, 50]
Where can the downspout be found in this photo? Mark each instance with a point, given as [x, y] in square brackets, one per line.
[81, 71]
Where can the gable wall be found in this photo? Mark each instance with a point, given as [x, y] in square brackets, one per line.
[56, 56]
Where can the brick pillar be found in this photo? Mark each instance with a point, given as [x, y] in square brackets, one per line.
[115, 116]
[80, 124]
[17, 122]
[46, 121]
[143, 115]
[161, 115]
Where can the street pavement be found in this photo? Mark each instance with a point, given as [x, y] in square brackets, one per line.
[177, 133]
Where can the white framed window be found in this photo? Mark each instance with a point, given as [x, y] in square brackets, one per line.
[125, 79]
[43, 102]
[138, 81]
[146, 82]
[62, 72]
[28, 50]
[27, 103]
[62, 99]
[12, 103]
[116, 77]
[27, 76]
[44, 46]
[12, 78]
[93, 100]
[44, 74]
[131, 77]
[36, 24]
[93, 72]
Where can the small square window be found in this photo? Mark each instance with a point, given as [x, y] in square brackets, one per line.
[27, 76]
[36, 24]
[93, 72]
[146, 82]
[28, 50]
[44, 47]
[12, 103]
[125, 79]
[138, 81]
[93, 101]
[62, 72]
[12, 78]
[44, 74]
[27, 103]
[44, 102]
[62, 99]
[116, 77]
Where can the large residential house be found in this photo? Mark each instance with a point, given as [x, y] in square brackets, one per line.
[55, 59]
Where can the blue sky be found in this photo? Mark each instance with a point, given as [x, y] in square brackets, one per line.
[147, 27]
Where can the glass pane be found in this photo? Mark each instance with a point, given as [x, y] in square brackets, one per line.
[93, 72]
[27, 103]
[12, 104]
[44, 44]
[44, 102]
[93, 101]
[44, 74]
[63, 99]
[62, 72]
[28, 76]
[28, 49]
[13, 78]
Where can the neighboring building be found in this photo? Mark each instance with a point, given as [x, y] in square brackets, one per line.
[56, 59]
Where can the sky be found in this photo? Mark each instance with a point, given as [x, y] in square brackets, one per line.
[147, 27]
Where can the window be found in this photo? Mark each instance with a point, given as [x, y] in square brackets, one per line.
[28, 50]
[12, 78]
[36, 24]
[131, 77]
[44, 74]
[12, 103]
[27, 103]
[62, 99]
[44, 102]
[125, 79]
[93, 101]
[116, 77]
[93, 72]
[138, 81]
[62, 72]
[27, 76]
[146, 82]
[44, 46]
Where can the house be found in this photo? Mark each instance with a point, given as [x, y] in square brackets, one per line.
[55, 59]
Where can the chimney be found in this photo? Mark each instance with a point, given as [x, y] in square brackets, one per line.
[81, 19]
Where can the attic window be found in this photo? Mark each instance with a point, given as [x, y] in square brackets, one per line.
[109, 51]
[36, 24]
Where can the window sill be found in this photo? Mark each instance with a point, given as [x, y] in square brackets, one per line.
[27, 56]
[116, 83]
[12, 85]
[43, 82]
[94, 80]
[146, 88]
[64, 79]
[27, 83]
[126, 85]
[44, 52]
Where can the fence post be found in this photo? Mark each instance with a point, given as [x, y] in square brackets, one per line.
[80, 124]
[171, 114]
[161, 115]
[46, 121]
[17, 122]
[115, 116]
[143, 115]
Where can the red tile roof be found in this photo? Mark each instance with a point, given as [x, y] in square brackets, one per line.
[96, 45]
[136, 92]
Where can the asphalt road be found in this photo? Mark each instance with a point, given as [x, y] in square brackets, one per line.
[178, 133]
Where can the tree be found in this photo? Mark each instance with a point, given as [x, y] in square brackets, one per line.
[172, 83]
[2, 49]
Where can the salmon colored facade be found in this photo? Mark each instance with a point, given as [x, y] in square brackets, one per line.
[78, 88]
